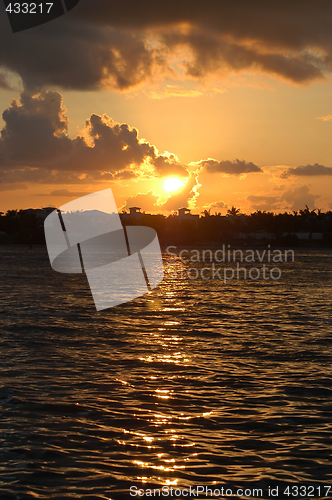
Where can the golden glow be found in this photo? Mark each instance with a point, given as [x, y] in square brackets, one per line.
[172, 184]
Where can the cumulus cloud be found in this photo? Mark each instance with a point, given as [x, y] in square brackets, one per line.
[35, 146]
[237, 167]
[308, 170]
[35, 130]
[168, 164]
[97, 45]
[299, 197]
[107, 146]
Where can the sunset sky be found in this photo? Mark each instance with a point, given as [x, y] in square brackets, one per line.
[232, 98]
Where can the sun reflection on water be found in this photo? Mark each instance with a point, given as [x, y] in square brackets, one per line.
[195, 380]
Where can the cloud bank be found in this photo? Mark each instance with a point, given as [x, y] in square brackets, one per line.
[237, 167]
[35, 146]
[121, 45]
[308, 170]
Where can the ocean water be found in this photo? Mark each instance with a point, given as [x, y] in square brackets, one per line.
[199, 382]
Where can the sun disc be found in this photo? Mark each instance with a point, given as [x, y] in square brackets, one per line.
[172, 184]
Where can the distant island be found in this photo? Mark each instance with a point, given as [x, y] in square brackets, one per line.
[298, 228]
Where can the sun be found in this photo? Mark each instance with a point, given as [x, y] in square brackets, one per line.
[172, 184]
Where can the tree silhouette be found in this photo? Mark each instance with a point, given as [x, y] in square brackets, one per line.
[233, 211]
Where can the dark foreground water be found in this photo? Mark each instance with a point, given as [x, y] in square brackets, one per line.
[198, 383]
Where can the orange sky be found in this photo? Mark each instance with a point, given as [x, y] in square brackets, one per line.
[240, 112]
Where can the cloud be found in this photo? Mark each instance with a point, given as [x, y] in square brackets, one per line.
[146, 201]
[308, 170]
[65, 193]
[299, 197]
[264, 202]
[292, 199]
[3, 82]
[35, 130]
[76, 54]
[168, 164]
[325, 118]
[12, 187]
[236, 167]
[42, 176]
[214, 54]
[174, 91]
[216, 204]
[35, 142]
[107, 146]
[185, 196]
[123, 46]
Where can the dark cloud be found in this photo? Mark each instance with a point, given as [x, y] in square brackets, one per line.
[42, 176]
[169, 165]
[125, 175]
[308, 170]
[236, 167]
[3, 82]
[107, 146]
[123, 44]
[35, 130]
[76, 54]
[34, 142]
[213, 55]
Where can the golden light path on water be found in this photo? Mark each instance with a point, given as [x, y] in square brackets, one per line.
[162, 461]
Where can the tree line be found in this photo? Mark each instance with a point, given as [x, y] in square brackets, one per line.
[19, 226]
